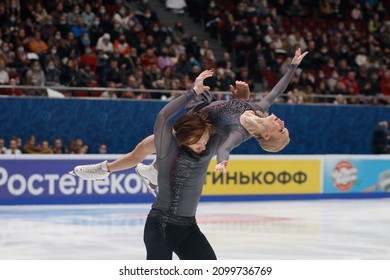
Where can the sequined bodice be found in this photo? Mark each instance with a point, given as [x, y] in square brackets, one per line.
[226, 112]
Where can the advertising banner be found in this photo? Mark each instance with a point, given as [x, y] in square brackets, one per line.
[45, 180]
[268, 175]
[356, 174]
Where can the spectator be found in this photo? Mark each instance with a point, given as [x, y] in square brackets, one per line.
[58, 12]
[40, 12]
[350, 82]
[35, 75]
[63, 28]
[7, 54]
[295, 39]
[113, 74]
[57, 147]
[105, 18]
[110, 92]
[164, 60]
[76, 146]
[256, 62]
[296, 10]
[52, 55]
[3, 149]
[73, 15]
[45, 148]
[182, 66]
[4, 76]
[340, 100]
[130, 20]
[88, 15]
[380, 138]
[104, 44]
[102, 149]
[53, 74]
[306, 79]
[89, 57]
[193, 48]
[244, 75]
[37, 45]
[21, 39]
[21, 60]
[79, 29]
[84, 42]
[14, 9]
[69, 73]
[385, 84]
[47, 29]
[208, 61]
[178, 30]
[120, 15]
[85, 76]
[13, 91]
[148, 58]
[73, 46]
[356, 13]
[159, 85]
[31, 147]
[122, 46]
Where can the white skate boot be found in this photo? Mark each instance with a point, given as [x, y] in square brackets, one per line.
[97, 171]
[148, 172]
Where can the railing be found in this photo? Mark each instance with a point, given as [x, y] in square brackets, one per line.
[95, 92]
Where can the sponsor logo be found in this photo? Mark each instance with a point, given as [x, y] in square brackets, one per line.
[344, 176]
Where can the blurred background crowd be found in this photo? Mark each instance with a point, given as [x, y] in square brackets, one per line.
[125, 49]
[124, 44]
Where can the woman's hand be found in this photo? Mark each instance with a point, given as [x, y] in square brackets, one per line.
[298, 56]
[241, 91]
[221, 166]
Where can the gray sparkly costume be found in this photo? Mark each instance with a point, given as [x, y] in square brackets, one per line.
[226, 114]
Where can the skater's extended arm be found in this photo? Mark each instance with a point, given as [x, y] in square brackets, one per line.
[266, 102]
[234, 139]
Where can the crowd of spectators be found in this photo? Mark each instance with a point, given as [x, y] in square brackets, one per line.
[348, 44]
[123, 45]
[15, 146]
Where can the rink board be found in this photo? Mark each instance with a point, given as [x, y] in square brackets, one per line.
[44, 179]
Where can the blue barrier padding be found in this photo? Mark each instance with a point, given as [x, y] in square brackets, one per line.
[122, 124]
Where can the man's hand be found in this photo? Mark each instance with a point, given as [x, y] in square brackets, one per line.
[241, 91]
[298, 56]
[221, 166]
[198, 84]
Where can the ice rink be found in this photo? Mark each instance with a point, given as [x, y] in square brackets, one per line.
[270, 230]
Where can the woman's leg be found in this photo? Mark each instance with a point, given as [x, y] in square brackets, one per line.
[140, 152]
[100, 171]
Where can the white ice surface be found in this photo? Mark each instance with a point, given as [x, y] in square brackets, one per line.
[264, 230]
